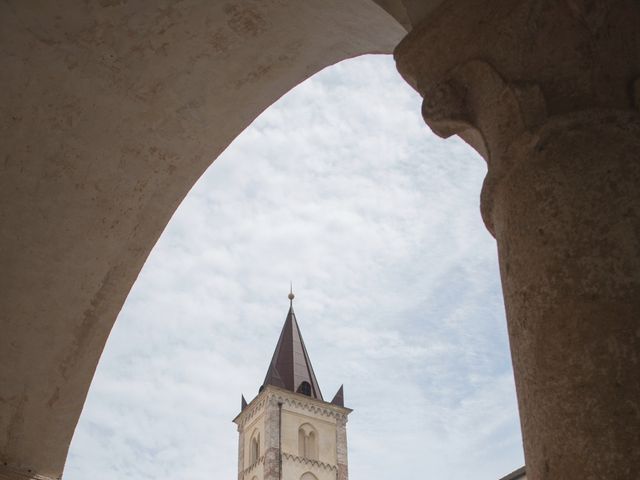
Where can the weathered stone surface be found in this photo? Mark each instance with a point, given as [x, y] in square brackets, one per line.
[544, 90]
[10, 474]
[568, 228]
[111, 111]
[341, 443]
[282, 414]
[272, 464]
[409, 12]
[114, 109]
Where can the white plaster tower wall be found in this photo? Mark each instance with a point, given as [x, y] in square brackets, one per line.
[279, 418]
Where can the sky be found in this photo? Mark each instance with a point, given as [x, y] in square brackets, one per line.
[340, 188]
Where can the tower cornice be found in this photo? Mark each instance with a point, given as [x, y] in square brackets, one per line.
[287, 397]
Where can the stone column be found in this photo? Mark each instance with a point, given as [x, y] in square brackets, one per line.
[341, 446]
[548, 93]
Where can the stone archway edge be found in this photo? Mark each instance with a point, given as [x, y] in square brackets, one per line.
[112, 111]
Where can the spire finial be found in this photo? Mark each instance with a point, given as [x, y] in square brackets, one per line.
[291, 295]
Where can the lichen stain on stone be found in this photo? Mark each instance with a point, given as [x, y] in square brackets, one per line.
[219, 42]
[245, 20]
[54, 398]
[86, 329]
[71, 62]
[17, 419]
[112, 3]
[148, 92]
[262, 70]
[254, 75]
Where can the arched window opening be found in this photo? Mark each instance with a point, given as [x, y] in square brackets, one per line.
[305, 389]
[308, 442]
[311, 447]
[254, 452]
[308, 476]
[301, 440]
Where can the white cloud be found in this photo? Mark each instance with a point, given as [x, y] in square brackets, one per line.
[341, 188]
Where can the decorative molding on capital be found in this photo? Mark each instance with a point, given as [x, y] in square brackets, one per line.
[496, 74]
[496, 70]
[579, 54]
[476, 103]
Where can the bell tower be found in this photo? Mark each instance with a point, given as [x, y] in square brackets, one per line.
[288, 431]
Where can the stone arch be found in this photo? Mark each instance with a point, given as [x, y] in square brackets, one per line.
[308, 476]
[85, 199]
[107, 186]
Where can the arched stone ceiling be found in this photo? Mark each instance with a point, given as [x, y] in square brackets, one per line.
[112, 109]
[408, 12]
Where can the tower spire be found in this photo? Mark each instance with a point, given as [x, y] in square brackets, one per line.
[290, 366]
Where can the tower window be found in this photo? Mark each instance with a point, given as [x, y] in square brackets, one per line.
[254, 452]
[305, 389]
[308, 442]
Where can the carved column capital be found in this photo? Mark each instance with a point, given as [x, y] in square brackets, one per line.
[495, 73]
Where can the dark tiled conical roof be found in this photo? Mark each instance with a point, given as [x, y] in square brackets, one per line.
[290, 366]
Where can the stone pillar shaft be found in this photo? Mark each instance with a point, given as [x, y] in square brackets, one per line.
[548, 93]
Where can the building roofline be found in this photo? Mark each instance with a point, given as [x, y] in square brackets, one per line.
[516, 474]
[296, 396]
